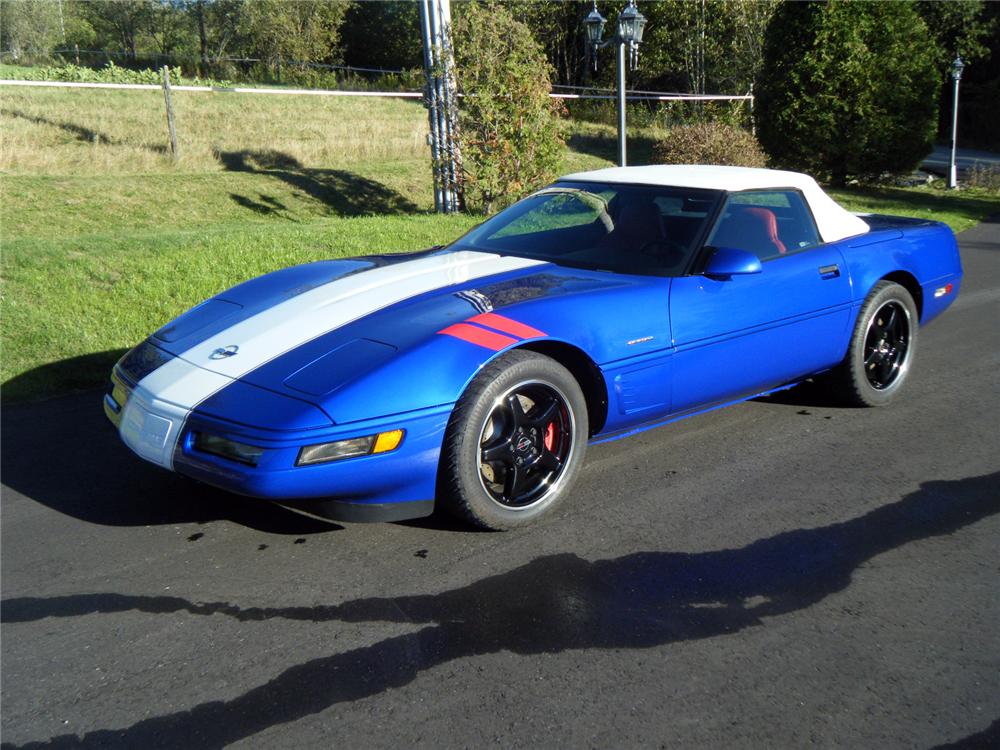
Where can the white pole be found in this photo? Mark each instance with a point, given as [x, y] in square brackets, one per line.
[952, 169]
[621, 104]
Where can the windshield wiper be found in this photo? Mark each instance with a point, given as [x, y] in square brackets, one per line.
[593, 200]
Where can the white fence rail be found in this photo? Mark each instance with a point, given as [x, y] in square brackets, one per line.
[633, 96]
[211, 89]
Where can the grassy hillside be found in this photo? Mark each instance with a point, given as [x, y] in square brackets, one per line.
[104, 238]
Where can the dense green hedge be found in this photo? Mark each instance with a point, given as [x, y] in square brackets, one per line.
[849, 88]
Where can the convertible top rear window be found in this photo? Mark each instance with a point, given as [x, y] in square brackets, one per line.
[636, 229]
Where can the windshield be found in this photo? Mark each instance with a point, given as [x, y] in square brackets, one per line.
[623, 228]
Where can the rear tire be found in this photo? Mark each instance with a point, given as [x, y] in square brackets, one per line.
[515, 442]
[882, 348]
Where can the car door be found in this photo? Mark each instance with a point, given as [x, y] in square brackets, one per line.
[748, 333]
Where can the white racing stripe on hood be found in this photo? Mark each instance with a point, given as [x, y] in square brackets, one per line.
[194, 376]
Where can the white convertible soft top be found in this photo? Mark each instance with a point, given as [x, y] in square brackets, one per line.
[833, 221]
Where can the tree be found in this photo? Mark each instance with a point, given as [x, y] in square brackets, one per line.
[30, 28]
[510, 130]
[382, 35]
[119, 23]
[305, 31]
[558, 27]
[218, 26]
[849, 89]
[960, 27]
[168, 25]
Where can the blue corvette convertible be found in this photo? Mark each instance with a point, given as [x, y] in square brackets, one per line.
[474, 375]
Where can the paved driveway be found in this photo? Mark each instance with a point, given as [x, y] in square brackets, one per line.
[784, 573]
[939, 160]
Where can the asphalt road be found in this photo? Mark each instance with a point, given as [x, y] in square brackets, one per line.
[783, 573]
[939, 160]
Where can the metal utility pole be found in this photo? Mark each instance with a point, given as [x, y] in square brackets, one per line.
[442, 100]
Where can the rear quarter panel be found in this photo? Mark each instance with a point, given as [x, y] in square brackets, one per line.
[927, 251]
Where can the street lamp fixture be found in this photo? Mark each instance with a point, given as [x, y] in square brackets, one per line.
[594, 26]
[956, 75]
[631, 24]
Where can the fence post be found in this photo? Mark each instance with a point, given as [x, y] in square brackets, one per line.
[170, 112]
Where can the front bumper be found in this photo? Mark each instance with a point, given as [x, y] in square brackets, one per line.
[380, 487]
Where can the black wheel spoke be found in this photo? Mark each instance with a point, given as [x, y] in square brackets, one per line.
[513, 482]
[516, 410]
[549, 461]
[885, 371]
[548, 414]
[890, 323]
[870, 359]
[500, 451]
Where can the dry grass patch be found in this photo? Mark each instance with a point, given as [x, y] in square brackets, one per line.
[93, 132]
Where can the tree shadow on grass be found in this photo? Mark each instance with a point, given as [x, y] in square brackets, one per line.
[343, 193]
[267, 205]
[66, 455]
[553, 604]
[85, 134]
[640, 148]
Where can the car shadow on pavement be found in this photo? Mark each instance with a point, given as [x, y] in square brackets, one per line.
[807, 393]
[553, 604]
[66, 455]
[988, 739]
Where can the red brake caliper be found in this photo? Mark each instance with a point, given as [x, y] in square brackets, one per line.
[550, 436]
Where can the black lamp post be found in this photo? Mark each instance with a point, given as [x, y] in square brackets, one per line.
[631, 24]
[956, 75]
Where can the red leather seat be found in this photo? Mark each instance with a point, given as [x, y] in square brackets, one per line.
[750, 228]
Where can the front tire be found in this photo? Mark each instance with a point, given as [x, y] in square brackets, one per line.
[882, 348]
[515, 442]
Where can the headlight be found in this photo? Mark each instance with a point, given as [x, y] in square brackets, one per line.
[220, 446]
[383, 442]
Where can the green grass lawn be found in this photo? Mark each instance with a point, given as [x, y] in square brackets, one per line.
[103, 238]
[959, 209]
[72, 306]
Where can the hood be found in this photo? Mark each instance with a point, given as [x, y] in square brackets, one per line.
[311, 331]
[241, 329]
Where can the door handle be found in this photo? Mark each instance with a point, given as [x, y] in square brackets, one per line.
[831, 271]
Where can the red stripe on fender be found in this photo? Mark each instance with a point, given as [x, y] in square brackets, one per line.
[478, 336]
[507, 325]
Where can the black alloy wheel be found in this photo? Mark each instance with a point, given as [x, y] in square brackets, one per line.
[886, 344]
[525, 441]
[514, 443]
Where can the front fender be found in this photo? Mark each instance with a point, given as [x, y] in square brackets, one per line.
[434, 374]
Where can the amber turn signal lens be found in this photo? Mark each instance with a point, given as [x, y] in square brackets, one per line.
[387, 441]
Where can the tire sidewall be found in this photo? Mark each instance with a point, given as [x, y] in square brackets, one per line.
[464, 437]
